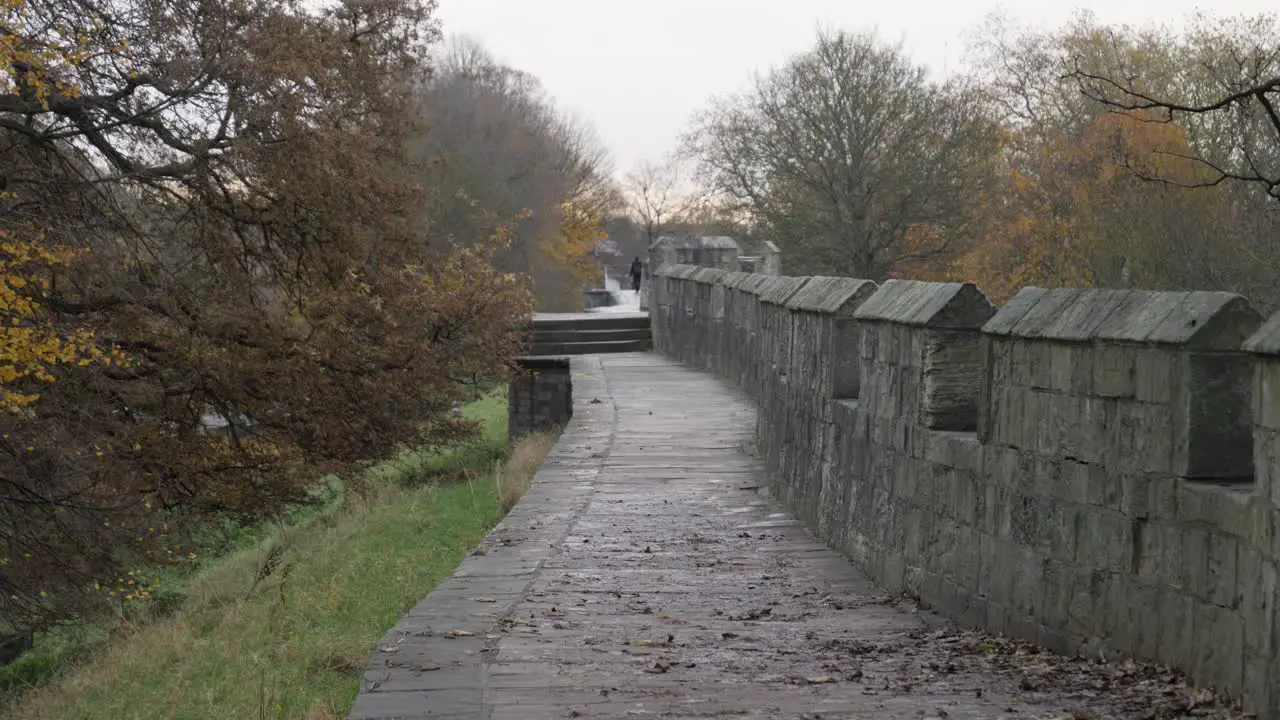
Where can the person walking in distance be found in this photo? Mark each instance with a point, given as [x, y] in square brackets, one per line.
[637, 270]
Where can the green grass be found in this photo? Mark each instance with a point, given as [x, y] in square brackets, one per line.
[282, 627]
[60, 647]
[479, 455]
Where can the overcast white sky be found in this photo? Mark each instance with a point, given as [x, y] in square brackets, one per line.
[638, 69]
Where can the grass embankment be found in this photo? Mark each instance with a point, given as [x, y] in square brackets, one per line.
[282, 628]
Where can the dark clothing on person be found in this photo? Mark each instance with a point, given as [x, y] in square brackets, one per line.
[637, 270]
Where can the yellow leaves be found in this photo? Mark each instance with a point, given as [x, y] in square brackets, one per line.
[581, 229]
[1061, 209]
[133, 586]
[30, 344]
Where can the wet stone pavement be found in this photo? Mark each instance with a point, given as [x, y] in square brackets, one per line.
[646, 576]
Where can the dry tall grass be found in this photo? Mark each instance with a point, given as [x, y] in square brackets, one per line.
[514, 476]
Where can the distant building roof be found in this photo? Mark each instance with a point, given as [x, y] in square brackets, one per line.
[607, 246]
[718, 242]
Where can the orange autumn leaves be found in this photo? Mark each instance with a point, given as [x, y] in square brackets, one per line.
[1069, 206]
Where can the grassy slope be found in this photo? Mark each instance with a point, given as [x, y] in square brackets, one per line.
[293, 645]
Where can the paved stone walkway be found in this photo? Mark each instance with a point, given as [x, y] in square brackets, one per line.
[644, 575]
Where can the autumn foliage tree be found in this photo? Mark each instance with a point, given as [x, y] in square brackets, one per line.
[216, 281]
[1090, 193]
[840, 153]
[1073, 212]
[511, 157]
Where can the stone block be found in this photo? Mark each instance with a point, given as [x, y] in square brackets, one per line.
[1056, 578]
[1136, 492]
[1105, 540]
[1082, 601]
[1003, 423]
[1158, 554]
[1064, 530]
[1021, 362]
[1069, 368]
[1176, 643]
[1193, 565]
[1114, 372]
[1001, 359]
[1072, 438]
[970, 498]
[1265, 399]
[1259, 592]
[1040, 359]
[1001, 465]
[1224, 507]
[1114, 627]
[1141, 438]
[1025, 517]
[1091, 432]
[1266, 464]
[1261, 693]
[953, 449]
[1219, 641]
[1139, 619]
[1102, 490]
[1075, 479]
[1158, 372]
[1045, 475]
[1000, 570]
[887, 345]
[1222, 580]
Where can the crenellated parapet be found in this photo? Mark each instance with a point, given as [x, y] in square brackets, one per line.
[1087, 469]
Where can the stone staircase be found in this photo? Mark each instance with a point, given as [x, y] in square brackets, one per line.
[590, 333]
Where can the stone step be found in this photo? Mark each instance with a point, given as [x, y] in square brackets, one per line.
[590, 321]
[591, 334]
[591, 348]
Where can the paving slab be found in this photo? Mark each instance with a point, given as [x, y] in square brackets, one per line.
[645, 575]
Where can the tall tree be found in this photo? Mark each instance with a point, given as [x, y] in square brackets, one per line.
[499, 152]
[1104, 187]
[651, 190]
[1225, 90]
[220, 192]
[845, 150]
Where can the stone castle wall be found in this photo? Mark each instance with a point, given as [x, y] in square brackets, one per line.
[539, 397]
[1087, 469]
